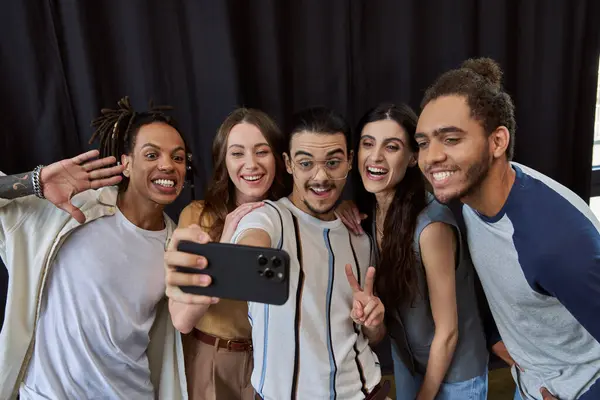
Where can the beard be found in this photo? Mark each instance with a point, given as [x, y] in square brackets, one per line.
[312, 208]
[474, 176]
[321, 212]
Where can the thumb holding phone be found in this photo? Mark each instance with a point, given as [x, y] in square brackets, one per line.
[186, 308]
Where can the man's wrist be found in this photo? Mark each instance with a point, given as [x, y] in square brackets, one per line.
[374, 333]
[500, 350]
[37, 181]
[15, 186]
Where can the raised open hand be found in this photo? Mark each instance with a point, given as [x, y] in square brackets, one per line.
[64, 179]
[367, 309]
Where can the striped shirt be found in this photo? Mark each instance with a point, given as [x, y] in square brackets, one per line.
[309, 348]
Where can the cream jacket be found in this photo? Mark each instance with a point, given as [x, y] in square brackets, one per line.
[31, 234]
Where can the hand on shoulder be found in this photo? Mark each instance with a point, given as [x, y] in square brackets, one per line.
[234, 218]
[348, 212]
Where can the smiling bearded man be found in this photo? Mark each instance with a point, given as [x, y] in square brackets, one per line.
[534, 243]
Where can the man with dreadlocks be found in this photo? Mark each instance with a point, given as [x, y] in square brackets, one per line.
[86, 313]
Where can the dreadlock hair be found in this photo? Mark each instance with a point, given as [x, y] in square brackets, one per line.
[219, 199]
[116, 130]
[479, 80]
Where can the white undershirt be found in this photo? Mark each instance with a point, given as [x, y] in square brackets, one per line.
[99, 306]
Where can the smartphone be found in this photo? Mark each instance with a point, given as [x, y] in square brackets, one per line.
[247, 273]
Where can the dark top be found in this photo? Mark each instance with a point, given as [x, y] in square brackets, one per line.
[412, 328]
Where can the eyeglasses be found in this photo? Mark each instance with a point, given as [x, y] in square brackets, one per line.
[335, 169]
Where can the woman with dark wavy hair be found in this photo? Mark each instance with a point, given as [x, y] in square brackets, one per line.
[249, 168]
[424, 275]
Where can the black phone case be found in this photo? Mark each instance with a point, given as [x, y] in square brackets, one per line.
[239, 272]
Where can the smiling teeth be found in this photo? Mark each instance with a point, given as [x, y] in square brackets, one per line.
[252, 178]
[376, 170]
[320, 190]
[440, 176]
[164, 182]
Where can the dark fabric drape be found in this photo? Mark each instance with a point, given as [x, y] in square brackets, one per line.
[62, 60]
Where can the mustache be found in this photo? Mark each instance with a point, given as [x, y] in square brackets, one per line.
[324, 185]
[452, 168]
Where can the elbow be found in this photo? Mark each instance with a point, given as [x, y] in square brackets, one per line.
[448, 338]
[451, 338]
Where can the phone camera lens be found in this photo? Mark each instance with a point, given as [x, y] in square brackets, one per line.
[276, 261]
[269, 274]
[262, 260]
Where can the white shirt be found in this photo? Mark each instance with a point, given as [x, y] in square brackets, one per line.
[93, 329]
[334, 357]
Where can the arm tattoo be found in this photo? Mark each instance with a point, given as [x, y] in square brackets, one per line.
[14, 186]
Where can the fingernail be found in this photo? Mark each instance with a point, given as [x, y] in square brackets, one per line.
[201, 262]
[204, 280]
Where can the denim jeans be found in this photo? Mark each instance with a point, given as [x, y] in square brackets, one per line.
[407, 385]
[472, 389]
[518, 395]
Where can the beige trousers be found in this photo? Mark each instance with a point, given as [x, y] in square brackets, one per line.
[216, 374]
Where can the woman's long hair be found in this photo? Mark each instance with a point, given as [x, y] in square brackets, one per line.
[396, 278]
[220, 195]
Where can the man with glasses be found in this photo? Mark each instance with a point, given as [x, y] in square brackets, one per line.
[317, 344]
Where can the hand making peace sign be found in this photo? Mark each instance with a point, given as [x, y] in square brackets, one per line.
[367, 309]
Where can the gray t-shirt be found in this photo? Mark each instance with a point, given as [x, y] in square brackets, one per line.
[538, 260]
[96, 314]
[413, 327]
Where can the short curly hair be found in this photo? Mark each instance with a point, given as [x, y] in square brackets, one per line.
[480, 81]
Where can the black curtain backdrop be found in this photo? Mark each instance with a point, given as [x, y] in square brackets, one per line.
[63, 60]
